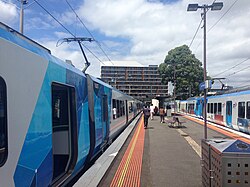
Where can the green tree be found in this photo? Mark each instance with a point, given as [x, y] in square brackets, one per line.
[183, 68]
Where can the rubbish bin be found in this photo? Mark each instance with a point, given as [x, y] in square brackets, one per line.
[225, 163]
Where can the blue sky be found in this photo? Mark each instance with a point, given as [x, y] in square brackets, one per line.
[139, 30]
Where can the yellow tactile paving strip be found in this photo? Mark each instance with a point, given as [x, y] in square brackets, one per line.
[128, 173]
[222, 131]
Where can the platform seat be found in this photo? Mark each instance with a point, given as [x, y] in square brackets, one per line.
[175, 120]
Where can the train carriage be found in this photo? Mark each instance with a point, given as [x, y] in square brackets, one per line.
[231, 110]
[46, 113]
[54, 119]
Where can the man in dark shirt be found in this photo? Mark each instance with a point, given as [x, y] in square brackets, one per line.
[146, 112]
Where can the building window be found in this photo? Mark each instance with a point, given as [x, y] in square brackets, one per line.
[3, 123]
[241, 109]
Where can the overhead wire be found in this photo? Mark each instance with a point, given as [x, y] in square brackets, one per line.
[245, 68]
[67, 29]
[195, 34]
[222, 16]
[244, 83]
[218, 20]
[232, 67]
[88, 30]
[197, 29]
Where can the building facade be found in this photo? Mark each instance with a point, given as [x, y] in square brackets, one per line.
[142, 82]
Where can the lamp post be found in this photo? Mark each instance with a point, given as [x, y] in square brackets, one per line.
[194, 7]
[174, 88]
[23, 2]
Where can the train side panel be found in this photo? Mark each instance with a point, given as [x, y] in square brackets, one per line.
[37, 85]
[99, 94]
[23, 89]
[119, 110]
[231, 110]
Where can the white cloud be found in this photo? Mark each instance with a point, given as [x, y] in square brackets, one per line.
[155, 28]
[9, 12]
[150, 30]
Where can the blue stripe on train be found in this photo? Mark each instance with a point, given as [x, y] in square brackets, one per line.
[36, 154]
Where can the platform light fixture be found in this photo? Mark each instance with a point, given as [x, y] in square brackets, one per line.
[194, 7]
[217, 6]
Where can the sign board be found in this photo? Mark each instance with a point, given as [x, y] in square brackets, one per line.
[205, 85]
[170, 88]
[202, 86]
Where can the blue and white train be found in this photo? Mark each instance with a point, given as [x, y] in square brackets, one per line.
[54, 119]
[231, 109]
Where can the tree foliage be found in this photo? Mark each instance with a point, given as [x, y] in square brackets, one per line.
[182, 66]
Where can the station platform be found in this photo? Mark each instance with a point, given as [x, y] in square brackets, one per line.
[161, 155]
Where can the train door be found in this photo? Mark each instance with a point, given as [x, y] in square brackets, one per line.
[64, 135]
[126, 110]
[3, 123]
[229, 113]
[105, 123]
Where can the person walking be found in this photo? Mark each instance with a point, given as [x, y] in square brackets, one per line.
[146, 113]
[162, 114]
[151, 112]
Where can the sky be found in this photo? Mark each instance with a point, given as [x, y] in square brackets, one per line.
[139, 30]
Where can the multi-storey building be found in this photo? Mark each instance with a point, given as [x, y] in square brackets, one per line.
[134, 79]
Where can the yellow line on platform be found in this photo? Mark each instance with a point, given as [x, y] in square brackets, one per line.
[191, 142]
[125, 169]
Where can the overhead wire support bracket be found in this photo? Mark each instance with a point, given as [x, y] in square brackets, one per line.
[79, 40]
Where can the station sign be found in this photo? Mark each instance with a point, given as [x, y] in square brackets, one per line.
[205, 85]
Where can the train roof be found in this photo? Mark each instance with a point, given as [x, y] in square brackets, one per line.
[192, 98]
[109, 86]
[19, 39]
[100, 82]
[237, 93]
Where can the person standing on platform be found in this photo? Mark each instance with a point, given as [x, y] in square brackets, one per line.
[151, 112]
[114, 113]
[155, 110]
[146, 113]
[162, 114]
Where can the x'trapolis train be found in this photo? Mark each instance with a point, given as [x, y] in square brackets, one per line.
[230, 109]
[54, 119]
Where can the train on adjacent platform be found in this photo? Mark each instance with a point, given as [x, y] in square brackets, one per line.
[230, 109]
[54, 119]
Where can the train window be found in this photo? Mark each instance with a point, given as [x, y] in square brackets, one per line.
[60, 108]
[130, 108]
[212, 108]
[241, 109]
[209, 107]
[114, 108]
[122, 108]
[248, 110]
[3, 123]
[215, 108]
[219, 108]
